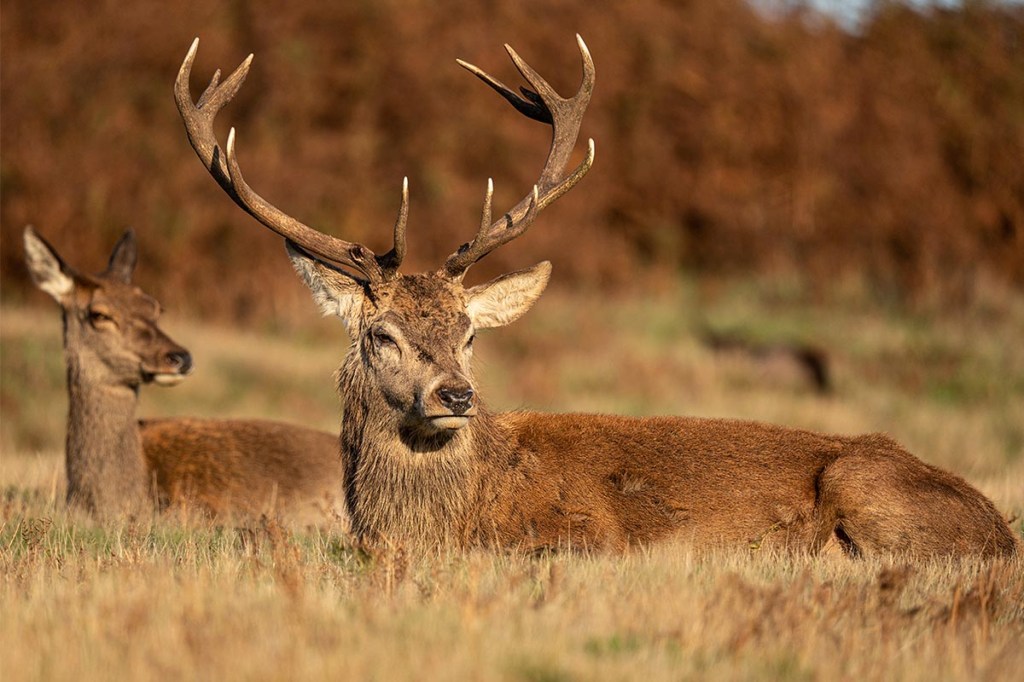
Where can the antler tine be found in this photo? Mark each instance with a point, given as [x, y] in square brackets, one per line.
[198, 119]
[392, 260]
[529, 109]
[565, 116]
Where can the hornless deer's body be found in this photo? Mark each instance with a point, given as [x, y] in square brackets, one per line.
[112, 345]
[427, 464]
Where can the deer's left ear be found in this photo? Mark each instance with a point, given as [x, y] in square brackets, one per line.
[505, 299]
[122, 259]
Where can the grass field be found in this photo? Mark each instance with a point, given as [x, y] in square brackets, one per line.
[174, 597]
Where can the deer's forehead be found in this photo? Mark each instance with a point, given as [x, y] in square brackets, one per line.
[127, 299]
[426, 306]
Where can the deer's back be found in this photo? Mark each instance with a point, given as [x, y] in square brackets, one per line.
[613, 481]
[246, 467]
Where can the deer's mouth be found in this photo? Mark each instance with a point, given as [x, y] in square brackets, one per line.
[449, 422]
[163, 378]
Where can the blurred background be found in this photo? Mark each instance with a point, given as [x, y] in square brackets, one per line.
[878, 144]
[839, 184]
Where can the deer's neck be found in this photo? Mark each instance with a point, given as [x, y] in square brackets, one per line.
[106, 470]
[424, 492]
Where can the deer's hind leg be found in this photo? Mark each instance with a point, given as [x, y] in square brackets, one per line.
[877, 498]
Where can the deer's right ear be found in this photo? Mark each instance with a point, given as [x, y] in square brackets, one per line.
[48, 270]
[335, 292]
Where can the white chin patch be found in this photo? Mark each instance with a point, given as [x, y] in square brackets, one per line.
[168, 379]
[452, 423]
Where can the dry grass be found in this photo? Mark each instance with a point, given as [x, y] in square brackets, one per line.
[196, 601]
[173, 597]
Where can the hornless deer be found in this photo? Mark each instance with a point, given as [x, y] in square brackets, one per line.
[428, 464]
[112, 345]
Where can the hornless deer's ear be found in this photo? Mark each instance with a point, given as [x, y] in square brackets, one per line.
[335, 292]
[123, 257]
[505, 299]
[48, 269]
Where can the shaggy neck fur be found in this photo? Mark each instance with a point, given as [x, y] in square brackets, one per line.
[406, 488]
[106, 471]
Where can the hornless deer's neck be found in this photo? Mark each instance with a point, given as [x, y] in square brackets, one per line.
[105, 466]
[423, 492]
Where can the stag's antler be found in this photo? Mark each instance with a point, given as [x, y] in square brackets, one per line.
[198, 118]
[564, 115]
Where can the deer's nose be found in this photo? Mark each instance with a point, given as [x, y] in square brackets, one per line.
[181, 360]
[458, 399]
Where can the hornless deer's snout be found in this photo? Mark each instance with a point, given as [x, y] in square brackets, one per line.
[458, 399]
[181, 360]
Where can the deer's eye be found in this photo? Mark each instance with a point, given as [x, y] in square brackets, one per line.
[382, 338]
[97, 317]
[469, 343]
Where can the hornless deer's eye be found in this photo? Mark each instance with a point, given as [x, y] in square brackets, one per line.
[469, 344]
[96, 317]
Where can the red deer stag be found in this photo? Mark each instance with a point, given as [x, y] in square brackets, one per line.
[112, 345]
[428, 464]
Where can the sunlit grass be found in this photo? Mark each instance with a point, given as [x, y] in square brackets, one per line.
[156, 599]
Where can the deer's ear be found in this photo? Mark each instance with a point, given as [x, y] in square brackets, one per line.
[47, 268]
[335, 292]
[123, 257]
[505, 299]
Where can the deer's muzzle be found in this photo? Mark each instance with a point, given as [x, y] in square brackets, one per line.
[170, 369]
[450, 406]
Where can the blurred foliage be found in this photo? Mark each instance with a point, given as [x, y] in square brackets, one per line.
[727, 141]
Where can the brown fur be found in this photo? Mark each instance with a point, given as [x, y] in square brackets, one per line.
[113, 345]
[247, 467]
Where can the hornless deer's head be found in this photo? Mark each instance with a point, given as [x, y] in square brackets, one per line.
[413, 334]
[109, 323]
